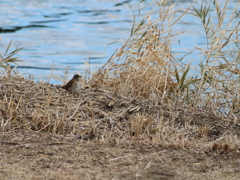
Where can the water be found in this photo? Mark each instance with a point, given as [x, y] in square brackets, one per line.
[66, 33]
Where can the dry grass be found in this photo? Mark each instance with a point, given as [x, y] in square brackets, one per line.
[142, 95]
[32, 155]
[142, 92]
[105, 116]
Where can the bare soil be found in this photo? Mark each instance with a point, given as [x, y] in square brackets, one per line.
[31, 155]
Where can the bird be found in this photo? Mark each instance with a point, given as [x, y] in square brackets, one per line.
[74, 84]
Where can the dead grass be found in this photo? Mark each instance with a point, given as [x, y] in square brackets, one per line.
[101, 115]
[141, 98]
[142, 93]
[33, 155]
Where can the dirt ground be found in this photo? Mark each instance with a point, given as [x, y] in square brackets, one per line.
[33, 155]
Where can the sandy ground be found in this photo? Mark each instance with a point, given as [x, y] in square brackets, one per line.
[31, 155]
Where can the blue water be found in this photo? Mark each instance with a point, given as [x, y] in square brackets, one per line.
[63, 34]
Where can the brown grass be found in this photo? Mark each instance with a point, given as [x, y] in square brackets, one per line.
[141, 98]
[32, 155]
[105, 116]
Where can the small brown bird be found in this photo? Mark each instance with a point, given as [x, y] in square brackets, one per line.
[74, 84]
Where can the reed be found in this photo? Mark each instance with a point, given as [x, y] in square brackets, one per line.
[7, 58]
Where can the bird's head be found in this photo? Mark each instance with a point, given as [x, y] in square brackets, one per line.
[77, 77]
